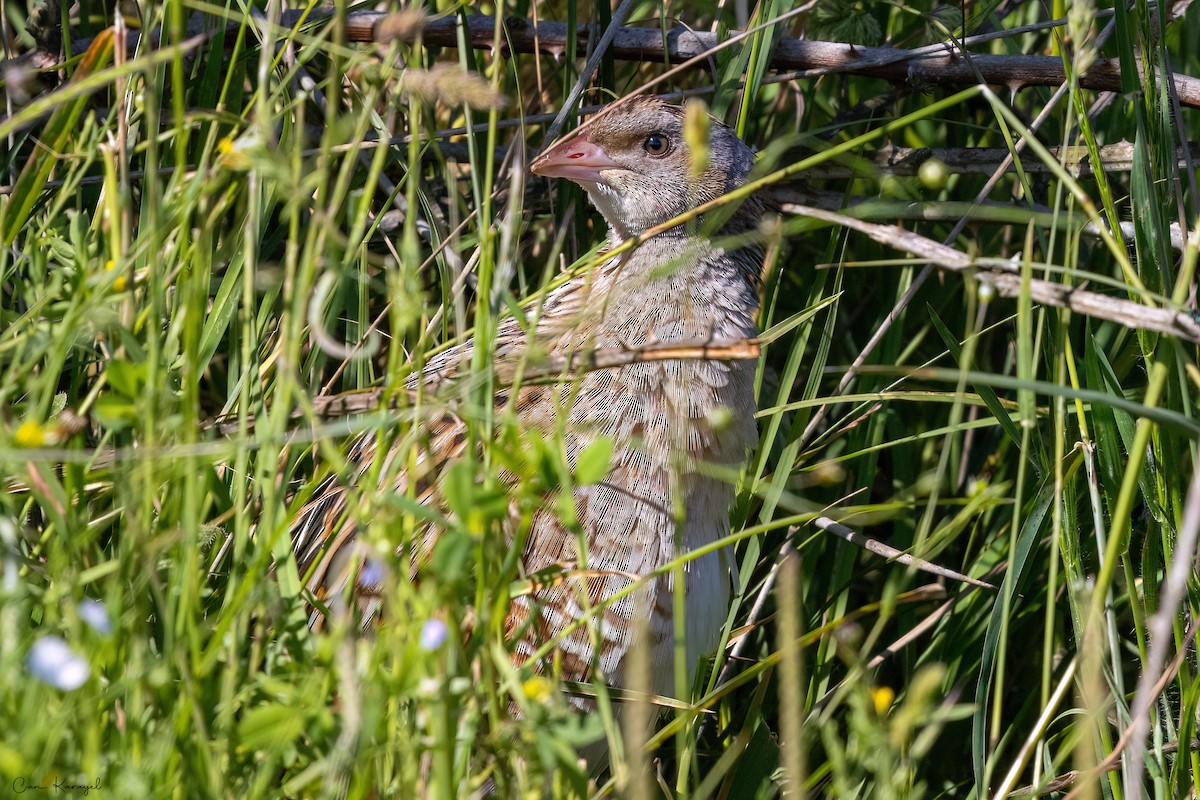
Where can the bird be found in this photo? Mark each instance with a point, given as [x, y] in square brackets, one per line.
[678, 426]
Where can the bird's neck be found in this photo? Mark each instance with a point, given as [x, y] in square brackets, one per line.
[619, 236]
[671, 275]
[700, 228]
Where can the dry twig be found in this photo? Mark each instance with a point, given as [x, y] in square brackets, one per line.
[1009, 283]
[919, 69]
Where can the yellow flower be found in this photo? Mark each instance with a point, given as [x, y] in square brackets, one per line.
[236, 153]
[119, 284]
[537, 689]
[882, 697]
[30, 434]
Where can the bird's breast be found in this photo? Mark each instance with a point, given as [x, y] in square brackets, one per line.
[684, 410]
[680, 429]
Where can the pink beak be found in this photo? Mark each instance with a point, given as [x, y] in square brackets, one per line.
[577, 159]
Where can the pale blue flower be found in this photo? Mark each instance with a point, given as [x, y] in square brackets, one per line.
[433, 634]
[52, 661]
[371, 573]
[95, 615]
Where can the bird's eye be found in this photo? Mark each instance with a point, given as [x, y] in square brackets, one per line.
[657, 145]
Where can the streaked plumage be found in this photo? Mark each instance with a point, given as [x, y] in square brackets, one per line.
[668, 418]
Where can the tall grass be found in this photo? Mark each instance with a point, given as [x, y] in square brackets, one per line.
[206, 238]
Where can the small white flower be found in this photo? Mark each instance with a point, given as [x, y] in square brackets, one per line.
[52, 661]
[95, 615]
[976, 487]
[720, 418]
[433, 634]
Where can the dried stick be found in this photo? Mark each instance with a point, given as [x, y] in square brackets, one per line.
[987, 212]
[1080, 779]
[892, 554]
[919, 69]
[555, 365]
[1010, 284]
[1117, 157]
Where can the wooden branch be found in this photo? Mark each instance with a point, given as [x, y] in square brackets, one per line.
[1009, 283]
[920, 69]
[576, 361]
[987, 212]
[569, 364]
[892, 554]
[1117, 157]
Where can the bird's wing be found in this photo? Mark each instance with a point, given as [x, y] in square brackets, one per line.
[324, 534]
[325, 531]
[624, 532]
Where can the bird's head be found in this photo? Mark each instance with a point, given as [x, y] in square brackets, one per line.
[634, 163]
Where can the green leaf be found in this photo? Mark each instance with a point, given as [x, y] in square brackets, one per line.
[592, 463]
[115, 413]
[997, 624]
[986, 393]
[271, 727]
[63, 124]
[126, 378]
[452, 556]
[459, 488]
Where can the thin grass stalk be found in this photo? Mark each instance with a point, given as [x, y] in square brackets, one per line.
[791, 679]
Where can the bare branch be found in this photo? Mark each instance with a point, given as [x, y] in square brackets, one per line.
[920, 69]
[1009, 284]
[987, 212]
[1117, 157]
[591, 360]
[556, 364]
[892, 554]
